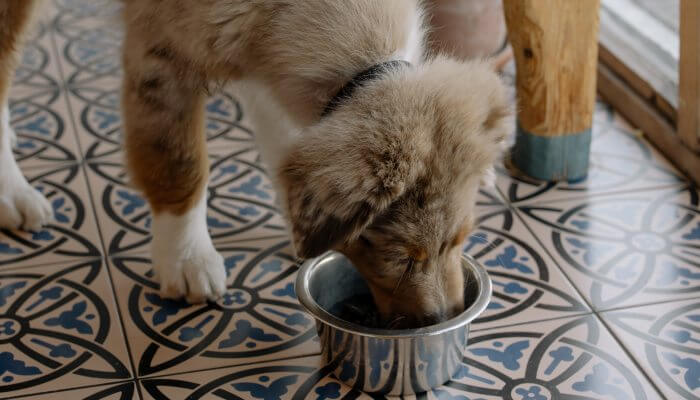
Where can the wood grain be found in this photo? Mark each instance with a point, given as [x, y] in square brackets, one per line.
[689, 79]
[623, 70]
[556, 51]
[642, 115]
[643, 44]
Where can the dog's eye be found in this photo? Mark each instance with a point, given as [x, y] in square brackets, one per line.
[408, 262]
[365, 241]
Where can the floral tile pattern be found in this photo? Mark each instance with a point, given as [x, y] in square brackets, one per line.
[524, 282]
[665, 339]
[624, 249]
[241, 201]
[563, 358]
[257, 319]
[37, 107]
[43, 139]
[567, 358]
[57, 329]
[584, 273]
[73, 233]
[38, 69]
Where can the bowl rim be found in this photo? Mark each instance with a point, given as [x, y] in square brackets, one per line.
[319, 313]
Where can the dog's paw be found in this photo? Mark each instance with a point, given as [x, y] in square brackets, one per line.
[194, 271]
[24, 207]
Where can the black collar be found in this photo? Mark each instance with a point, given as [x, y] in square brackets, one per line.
[367, 75]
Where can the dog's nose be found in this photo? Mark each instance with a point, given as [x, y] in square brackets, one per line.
[432, 319]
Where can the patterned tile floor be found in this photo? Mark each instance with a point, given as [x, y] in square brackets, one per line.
[597, 283]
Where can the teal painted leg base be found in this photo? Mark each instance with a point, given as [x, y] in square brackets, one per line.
[558, 158]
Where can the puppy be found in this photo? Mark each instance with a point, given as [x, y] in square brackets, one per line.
[375, 151]
[21, 206]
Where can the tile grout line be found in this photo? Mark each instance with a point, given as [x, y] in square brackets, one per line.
[593, 196]
[69, 107]
[100, 385]
[253, 363]
[535, 321]
[594, 312]
[49, 165]
[5, 269]
[643, 305]
[515, 211]
[104, 257]
[139, 389]
[51, 30]
[629, 354]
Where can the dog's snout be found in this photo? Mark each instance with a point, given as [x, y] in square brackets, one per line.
[432, 318]
[408, 322]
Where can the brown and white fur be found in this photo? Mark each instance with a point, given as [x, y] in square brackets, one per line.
[389, 178]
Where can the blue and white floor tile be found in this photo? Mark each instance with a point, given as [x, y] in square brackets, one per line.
[43, 137]
[38, 108]
[527, 285]
[38, 69]
[665, 341]
[622, 244]
[624, 249]
[571, 358]
[72, 235]
[59, 328]
[240, 198]
[257, 319]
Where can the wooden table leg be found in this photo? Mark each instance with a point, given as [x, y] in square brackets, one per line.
[689, 78]
[555, 43]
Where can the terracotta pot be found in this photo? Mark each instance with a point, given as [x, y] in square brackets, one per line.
[469, 29]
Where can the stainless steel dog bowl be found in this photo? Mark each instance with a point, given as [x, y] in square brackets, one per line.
[391, 362]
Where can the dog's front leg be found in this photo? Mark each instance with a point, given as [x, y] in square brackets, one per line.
[21, 206]
[163, 106]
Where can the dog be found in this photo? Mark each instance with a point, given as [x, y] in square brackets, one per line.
[375, 149]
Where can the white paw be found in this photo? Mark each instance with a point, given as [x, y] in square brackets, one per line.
[184, 259]
[196, 273]
[25, 208]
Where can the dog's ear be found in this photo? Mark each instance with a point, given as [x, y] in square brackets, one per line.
[336, 182]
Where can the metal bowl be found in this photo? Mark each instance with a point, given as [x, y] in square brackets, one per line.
[384, 361]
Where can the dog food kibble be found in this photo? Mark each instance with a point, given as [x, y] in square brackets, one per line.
[358, 309]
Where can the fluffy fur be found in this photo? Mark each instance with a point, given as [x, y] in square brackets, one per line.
[389, 178]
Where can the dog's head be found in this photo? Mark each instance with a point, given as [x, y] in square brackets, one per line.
[390, 179]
